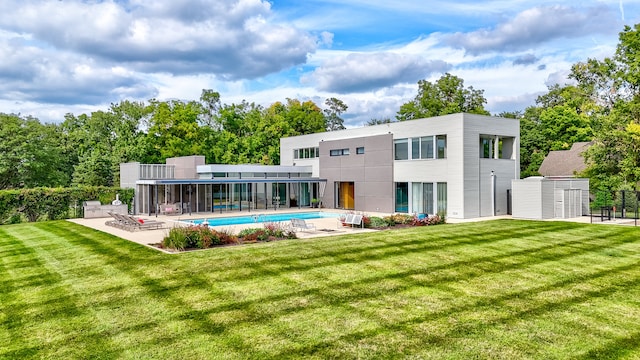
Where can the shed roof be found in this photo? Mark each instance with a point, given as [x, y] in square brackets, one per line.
[565, 162]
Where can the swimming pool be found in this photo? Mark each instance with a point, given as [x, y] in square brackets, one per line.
[262, 218]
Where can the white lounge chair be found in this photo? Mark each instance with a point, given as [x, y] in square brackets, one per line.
[302, 225]
[354, 220]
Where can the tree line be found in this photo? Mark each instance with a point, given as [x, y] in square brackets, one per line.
[602, 105]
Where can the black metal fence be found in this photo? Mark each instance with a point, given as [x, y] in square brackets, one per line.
[621, 205]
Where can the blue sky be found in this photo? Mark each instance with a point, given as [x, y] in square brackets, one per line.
[73, 56]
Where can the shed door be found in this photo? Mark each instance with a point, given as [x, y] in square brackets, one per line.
[568, 203]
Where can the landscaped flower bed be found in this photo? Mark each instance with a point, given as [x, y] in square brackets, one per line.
[398, 220]
[202, 237]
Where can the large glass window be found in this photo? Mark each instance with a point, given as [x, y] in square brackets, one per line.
[402, 197]
[441, 146]
[417, 203]
[442, 198]
[422, 147]
[306, 153]
[426, 147]
[401, 149]
[422, 198]
[415, 148]
[427, 193]
[339, 152]
[486, 148]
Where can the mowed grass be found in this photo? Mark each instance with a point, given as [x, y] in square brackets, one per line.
[501, 289]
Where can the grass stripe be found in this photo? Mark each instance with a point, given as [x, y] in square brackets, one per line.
[498, 289]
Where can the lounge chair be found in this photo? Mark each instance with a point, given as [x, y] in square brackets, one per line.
[132, 223]
[143, 224]
[302, 225]
[348, 218]
[354, 220]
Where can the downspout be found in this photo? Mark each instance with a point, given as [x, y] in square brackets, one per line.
[493, 193]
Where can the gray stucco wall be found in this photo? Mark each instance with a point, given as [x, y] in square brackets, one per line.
[371, 172]
[129, 174]
[185, 166]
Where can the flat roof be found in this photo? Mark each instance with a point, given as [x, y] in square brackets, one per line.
[211, 168]
[226, 181]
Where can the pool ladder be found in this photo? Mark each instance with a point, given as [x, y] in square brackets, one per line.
[258, 218]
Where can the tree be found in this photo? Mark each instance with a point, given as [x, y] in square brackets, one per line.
[332, 114]
[378, 121]
[174, 130]
[446, 96]
[210, 101]
[613, 160]
[30, 154]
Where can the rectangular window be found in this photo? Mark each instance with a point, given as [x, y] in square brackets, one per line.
[441, 146]
[306, 153]
[486, 147]
[422, 198]
[339, 152]
[401, 149]
[442, 198]
[415, 148]
[417, 203]
[402, 197]
[426, 145]
[422, 147]
[428, 198]
[360, 150]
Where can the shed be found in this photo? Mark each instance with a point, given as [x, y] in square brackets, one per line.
[540, 197]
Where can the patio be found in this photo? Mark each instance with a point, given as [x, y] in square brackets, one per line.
[324, 226]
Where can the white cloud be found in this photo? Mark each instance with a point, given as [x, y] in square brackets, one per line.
[234, 39]
[535, 26]
[358, 72]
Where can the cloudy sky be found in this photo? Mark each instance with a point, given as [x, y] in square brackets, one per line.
[78, 56]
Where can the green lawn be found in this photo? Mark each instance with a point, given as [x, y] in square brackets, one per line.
[498, 289]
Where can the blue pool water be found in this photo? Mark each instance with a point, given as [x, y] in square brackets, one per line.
[261, 218]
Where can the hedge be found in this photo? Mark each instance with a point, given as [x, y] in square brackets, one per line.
[40, 204]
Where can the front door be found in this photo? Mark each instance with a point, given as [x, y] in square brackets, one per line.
[346, 195]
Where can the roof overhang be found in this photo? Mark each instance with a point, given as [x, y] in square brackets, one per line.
[227, 181]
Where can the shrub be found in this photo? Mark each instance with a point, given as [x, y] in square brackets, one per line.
[429, 220]
[403, 219]
[226, 238]
[176, 240]
[246, 232]
[377, 222]
[194, 237]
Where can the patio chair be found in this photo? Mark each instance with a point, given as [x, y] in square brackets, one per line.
[354, 220]
[346, 220]
[302, 225]
[143, 224]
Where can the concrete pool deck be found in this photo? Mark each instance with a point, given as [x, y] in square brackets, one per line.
[324, 226]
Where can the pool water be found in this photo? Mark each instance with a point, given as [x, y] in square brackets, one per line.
[262, 218]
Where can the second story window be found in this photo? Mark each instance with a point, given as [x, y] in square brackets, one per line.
[339, 152]
[401, 149]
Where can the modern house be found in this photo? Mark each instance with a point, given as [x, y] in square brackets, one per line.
[461, 165]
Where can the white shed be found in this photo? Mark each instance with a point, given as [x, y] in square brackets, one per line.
[550, 197]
